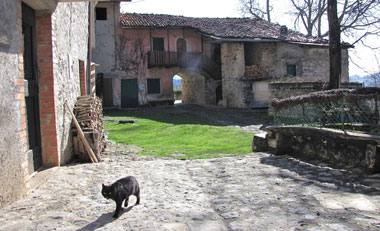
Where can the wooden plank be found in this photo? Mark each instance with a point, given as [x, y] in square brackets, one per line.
[81, 135]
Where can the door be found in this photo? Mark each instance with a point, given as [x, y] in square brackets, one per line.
[107, 92]
[181, 52]
[31, 88]
[129, 93]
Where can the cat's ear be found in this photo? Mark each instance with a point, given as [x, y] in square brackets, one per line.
[102, 185]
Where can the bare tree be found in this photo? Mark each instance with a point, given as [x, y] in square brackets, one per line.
[131, 59]
[357, 18]
[309, 14]
[256, 9]
[374, 80]
[374, 77]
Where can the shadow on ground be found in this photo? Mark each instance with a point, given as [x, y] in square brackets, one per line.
[103, 220]
[325, 177]
[195, 114]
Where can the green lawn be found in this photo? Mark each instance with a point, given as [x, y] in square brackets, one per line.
[185, 135]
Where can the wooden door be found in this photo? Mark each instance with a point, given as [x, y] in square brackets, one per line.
[181, 51]
[31, 88]
[107, 92]
[129, 93]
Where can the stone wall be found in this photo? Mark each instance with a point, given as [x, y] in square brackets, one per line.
[261, 94]
[105, 30]
[210, 90]
[280, 90]
[193, 88]
[13, 141]
[70, 30]
[312, 63]
[61, 47]
[233, 69]
[338, 149]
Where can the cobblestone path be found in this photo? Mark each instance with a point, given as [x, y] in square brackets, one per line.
[251, 192]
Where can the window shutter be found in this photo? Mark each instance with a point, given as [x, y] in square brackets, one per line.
[291, 70]
[158, 44]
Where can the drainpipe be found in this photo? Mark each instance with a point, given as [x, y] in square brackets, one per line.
[89, 47]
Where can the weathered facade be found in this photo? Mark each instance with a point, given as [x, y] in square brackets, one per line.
[226, 61]
[43, 55]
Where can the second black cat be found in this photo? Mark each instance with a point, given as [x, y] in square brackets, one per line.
[120, 191]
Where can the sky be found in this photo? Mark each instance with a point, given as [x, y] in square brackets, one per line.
[364, 57]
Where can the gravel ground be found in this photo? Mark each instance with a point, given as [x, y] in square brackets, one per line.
[251, 192]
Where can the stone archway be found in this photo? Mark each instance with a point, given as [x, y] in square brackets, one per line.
[193, 87]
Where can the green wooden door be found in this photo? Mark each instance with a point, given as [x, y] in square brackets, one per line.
[129, 93]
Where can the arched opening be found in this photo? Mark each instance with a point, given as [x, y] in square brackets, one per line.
[218, 94]
[192, 87]
[177, 89]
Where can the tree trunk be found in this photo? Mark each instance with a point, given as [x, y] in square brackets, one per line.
[334, 45]
[268, 10]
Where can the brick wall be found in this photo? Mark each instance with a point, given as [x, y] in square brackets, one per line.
[46, 84]
[82, 77]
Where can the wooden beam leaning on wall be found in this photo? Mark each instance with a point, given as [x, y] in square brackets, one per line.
[81, 135]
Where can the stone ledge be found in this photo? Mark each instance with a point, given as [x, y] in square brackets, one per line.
[337, 148]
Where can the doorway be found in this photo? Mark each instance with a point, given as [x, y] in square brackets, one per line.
[129, 93]
[219, 94]
[181, 51]
[31, 88]
[177, 89]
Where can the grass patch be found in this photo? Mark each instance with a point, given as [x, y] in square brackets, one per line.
[183, 135]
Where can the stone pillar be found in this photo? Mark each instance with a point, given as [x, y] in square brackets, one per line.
[233, 69]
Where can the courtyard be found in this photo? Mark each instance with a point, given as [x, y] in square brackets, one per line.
[255, 191]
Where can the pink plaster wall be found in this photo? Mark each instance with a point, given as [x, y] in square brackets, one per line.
[193, 44]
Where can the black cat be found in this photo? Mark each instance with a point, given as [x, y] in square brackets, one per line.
[121, 190]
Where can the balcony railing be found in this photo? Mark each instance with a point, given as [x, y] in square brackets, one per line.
[186, 60]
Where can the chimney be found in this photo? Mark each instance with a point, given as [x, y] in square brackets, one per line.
[283, 33]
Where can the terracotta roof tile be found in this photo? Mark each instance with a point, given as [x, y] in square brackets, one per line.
[224, 28]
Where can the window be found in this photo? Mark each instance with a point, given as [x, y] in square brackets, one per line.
[153, 86]
[291, 70]
[158, 44]
[101, 13]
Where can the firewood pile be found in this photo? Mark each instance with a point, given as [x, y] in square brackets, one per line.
[88, 111]
[253, 71]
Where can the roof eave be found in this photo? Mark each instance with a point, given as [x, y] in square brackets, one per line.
[155, 27]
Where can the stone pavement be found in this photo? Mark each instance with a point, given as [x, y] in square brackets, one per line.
[251, 192]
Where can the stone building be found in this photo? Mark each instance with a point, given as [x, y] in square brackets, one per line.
[45, 58]
[226, 61]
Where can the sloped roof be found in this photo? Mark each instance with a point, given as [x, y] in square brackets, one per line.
[219, 28]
